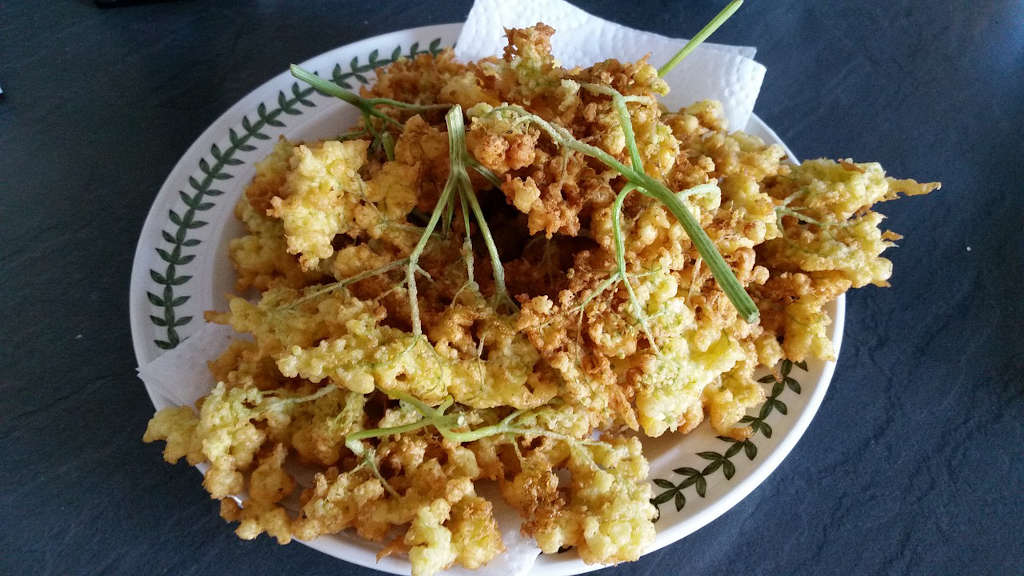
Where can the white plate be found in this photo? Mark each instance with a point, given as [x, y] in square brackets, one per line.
[181, 269]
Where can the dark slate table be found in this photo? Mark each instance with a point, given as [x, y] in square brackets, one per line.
[915, 463]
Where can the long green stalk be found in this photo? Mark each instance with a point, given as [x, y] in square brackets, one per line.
[701, 36]
[459, 159]
[620, 261]
[414, 257]
[367, 105]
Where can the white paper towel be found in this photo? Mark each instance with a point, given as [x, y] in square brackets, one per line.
[712, 71]
[181, 376]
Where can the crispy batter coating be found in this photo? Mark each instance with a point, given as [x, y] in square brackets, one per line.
[393, 429]
[320, 196]
[605, 513]
[260, 257]
[176, 427]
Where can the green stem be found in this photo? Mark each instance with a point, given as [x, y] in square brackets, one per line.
[405, 105]
[422, 407]
[499, 429]
[620, 262]
[276, 402]
[379, 432]
[467, 242]
[619, 103]
[329, 88]
[371, 460]
[352, 135]
[701, 36]
[497, 269]
[388, 142]
[723, 274]
[327, 288]
[367, 105]
[483, 171]
[458, 154]
[414, 257]
[446, 425]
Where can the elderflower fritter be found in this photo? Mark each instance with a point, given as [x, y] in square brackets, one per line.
[261, 258]
[474, 532]
[369, 356]
[257, 518]
[318, 428]
[176, 427]
[827, 221]
[319, 197]
[669, 393]
[430, 542]
[366, 356]
[334, 501]
[229, 436]
[608, 516]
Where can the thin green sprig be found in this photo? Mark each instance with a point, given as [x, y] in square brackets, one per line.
[467, 246]
[701, 36]
[453, 427]
[352, 135]
[344, 283]
[387, 141]
[619, 103]
[620, 262]
[275, 402]
[459, 159]
[368, 107]
[412, 263]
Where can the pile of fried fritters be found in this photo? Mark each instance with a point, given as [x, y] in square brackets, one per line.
[549, 398]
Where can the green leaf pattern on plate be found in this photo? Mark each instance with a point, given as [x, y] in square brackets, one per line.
[723, 461]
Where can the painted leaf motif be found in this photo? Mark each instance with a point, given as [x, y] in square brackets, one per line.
[729, 469]
[661, 482]
[710, 468]
[734, 449]
[663, 497]
[750, 449]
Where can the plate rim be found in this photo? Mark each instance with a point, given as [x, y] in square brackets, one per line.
[549, 565]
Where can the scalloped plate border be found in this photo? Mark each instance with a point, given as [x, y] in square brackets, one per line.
[174, 250]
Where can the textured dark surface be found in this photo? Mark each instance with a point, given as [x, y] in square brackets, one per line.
[915, 463]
